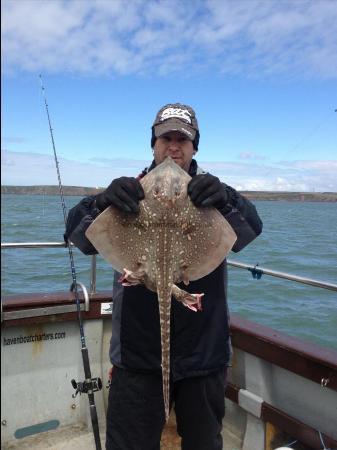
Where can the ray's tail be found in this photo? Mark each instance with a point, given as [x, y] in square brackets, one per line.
[164, 290]
[164, 298]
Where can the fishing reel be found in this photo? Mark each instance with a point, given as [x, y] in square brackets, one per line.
[93, 385]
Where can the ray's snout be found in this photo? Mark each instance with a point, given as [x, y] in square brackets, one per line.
[169, 192]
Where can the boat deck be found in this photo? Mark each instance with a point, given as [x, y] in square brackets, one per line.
[279, 389]
[79, 437]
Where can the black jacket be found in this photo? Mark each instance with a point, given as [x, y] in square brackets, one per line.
[200, 341]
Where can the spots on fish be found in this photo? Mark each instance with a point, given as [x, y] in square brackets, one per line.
[168, 243]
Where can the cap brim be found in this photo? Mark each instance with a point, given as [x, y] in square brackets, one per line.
[174, 125]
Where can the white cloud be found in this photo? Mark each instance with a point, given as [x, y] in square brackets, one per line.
[250, 155]
[42, 170]
[322, 166]
[254, 38]
[319, 176]
[13, 139]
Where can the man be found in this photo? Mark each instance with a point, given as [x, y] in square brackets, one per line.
[200, 343]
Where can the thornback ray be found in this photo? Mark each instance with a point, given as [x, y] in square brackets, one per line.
[169, 241]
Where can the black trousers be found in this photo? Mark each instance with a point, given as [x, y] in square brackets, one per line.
[135, 417]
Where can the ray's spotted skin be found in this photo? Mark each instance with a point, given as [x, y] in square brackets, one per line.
[168, 242]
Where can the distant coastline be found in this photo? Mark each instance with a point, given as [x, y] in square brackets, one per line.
[252, 195]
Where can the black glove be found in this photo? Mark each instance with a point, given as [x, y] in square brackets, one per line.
[124, 193]
[207, 190]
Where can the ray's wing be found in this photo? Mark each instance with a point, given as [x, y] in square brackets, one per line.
[206, 241]
[119, 237]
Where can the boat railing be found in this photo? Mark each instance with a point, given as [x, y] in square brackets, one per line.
[256, 270]
[13, 245]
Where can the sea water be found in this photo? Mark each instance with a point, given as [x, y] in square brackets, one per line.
[299, 238]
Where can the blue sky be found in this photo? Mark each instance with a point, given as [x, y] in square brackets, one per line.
[261, 75]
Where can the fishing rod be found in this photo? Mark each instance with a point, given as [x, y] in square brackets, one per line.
[90, 385]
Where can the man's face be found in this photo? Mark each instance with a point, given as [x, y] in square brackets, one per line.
[177, 146]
